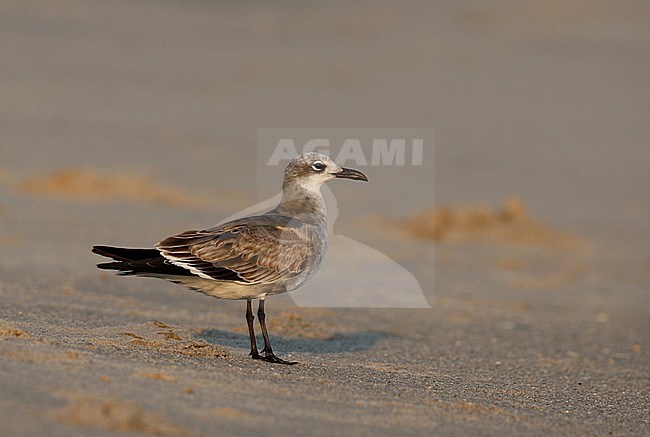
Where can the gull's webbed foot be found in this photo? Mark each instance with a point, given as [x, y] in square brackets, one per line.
[270, 357]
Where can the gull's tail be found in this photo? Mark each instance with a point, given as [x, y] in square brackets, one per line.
[130, 261]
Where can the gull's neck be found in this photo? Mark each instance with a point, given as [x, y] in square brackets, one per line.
[304, 203]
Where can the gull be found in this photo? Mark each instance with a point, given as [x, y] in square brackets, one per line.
[251, 257]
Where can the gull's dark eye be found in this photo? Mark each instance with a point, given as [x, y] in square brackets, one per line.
[318, 166]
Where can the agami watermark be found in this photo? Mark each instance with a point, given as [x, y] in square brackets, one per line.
[355, 274]
[384, 151]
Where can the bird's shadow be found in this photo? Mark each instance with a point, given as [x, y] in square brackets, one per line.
[337, 342]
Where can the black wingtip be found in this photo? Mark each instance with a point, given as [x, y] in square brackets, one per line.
[108, 266]
[124, 253]
[122, 268]
[100, 250]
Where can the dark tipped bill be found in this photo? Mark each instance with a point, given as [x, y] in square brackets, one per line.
[350, 173]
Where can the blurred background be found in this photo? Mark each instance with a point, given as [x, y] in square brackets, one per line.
[546, 99]
[122, 122]
[110, 107]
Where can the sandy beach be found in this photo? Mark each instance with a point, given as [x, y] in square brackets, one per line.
[500, 288]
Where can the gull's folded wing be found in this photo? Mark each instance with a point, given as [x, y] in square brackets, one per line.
[253, 250]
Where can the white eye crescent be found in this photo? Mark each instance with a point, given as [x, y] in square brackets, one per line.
[318, 166]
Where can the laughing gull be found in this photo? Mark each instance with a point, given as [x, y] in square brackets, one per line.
[251, 257]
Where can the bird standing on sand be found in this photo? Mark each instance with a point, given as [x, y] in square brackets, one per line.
[251, 257]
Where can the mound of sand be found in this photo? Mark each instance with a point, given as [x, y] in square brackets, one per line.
[88, 184]
[7, 330]
[116, 415]
[155, 336]
[511, 223]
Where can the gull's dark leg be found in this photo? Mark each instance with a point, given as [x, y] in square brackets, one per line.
[268, 351]
[251, 330]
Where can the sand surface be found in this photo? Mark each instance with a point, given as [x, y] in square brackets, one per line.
[124, 122]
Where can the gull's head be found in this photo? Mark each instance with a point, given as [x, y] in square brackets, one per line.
[311, 170]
